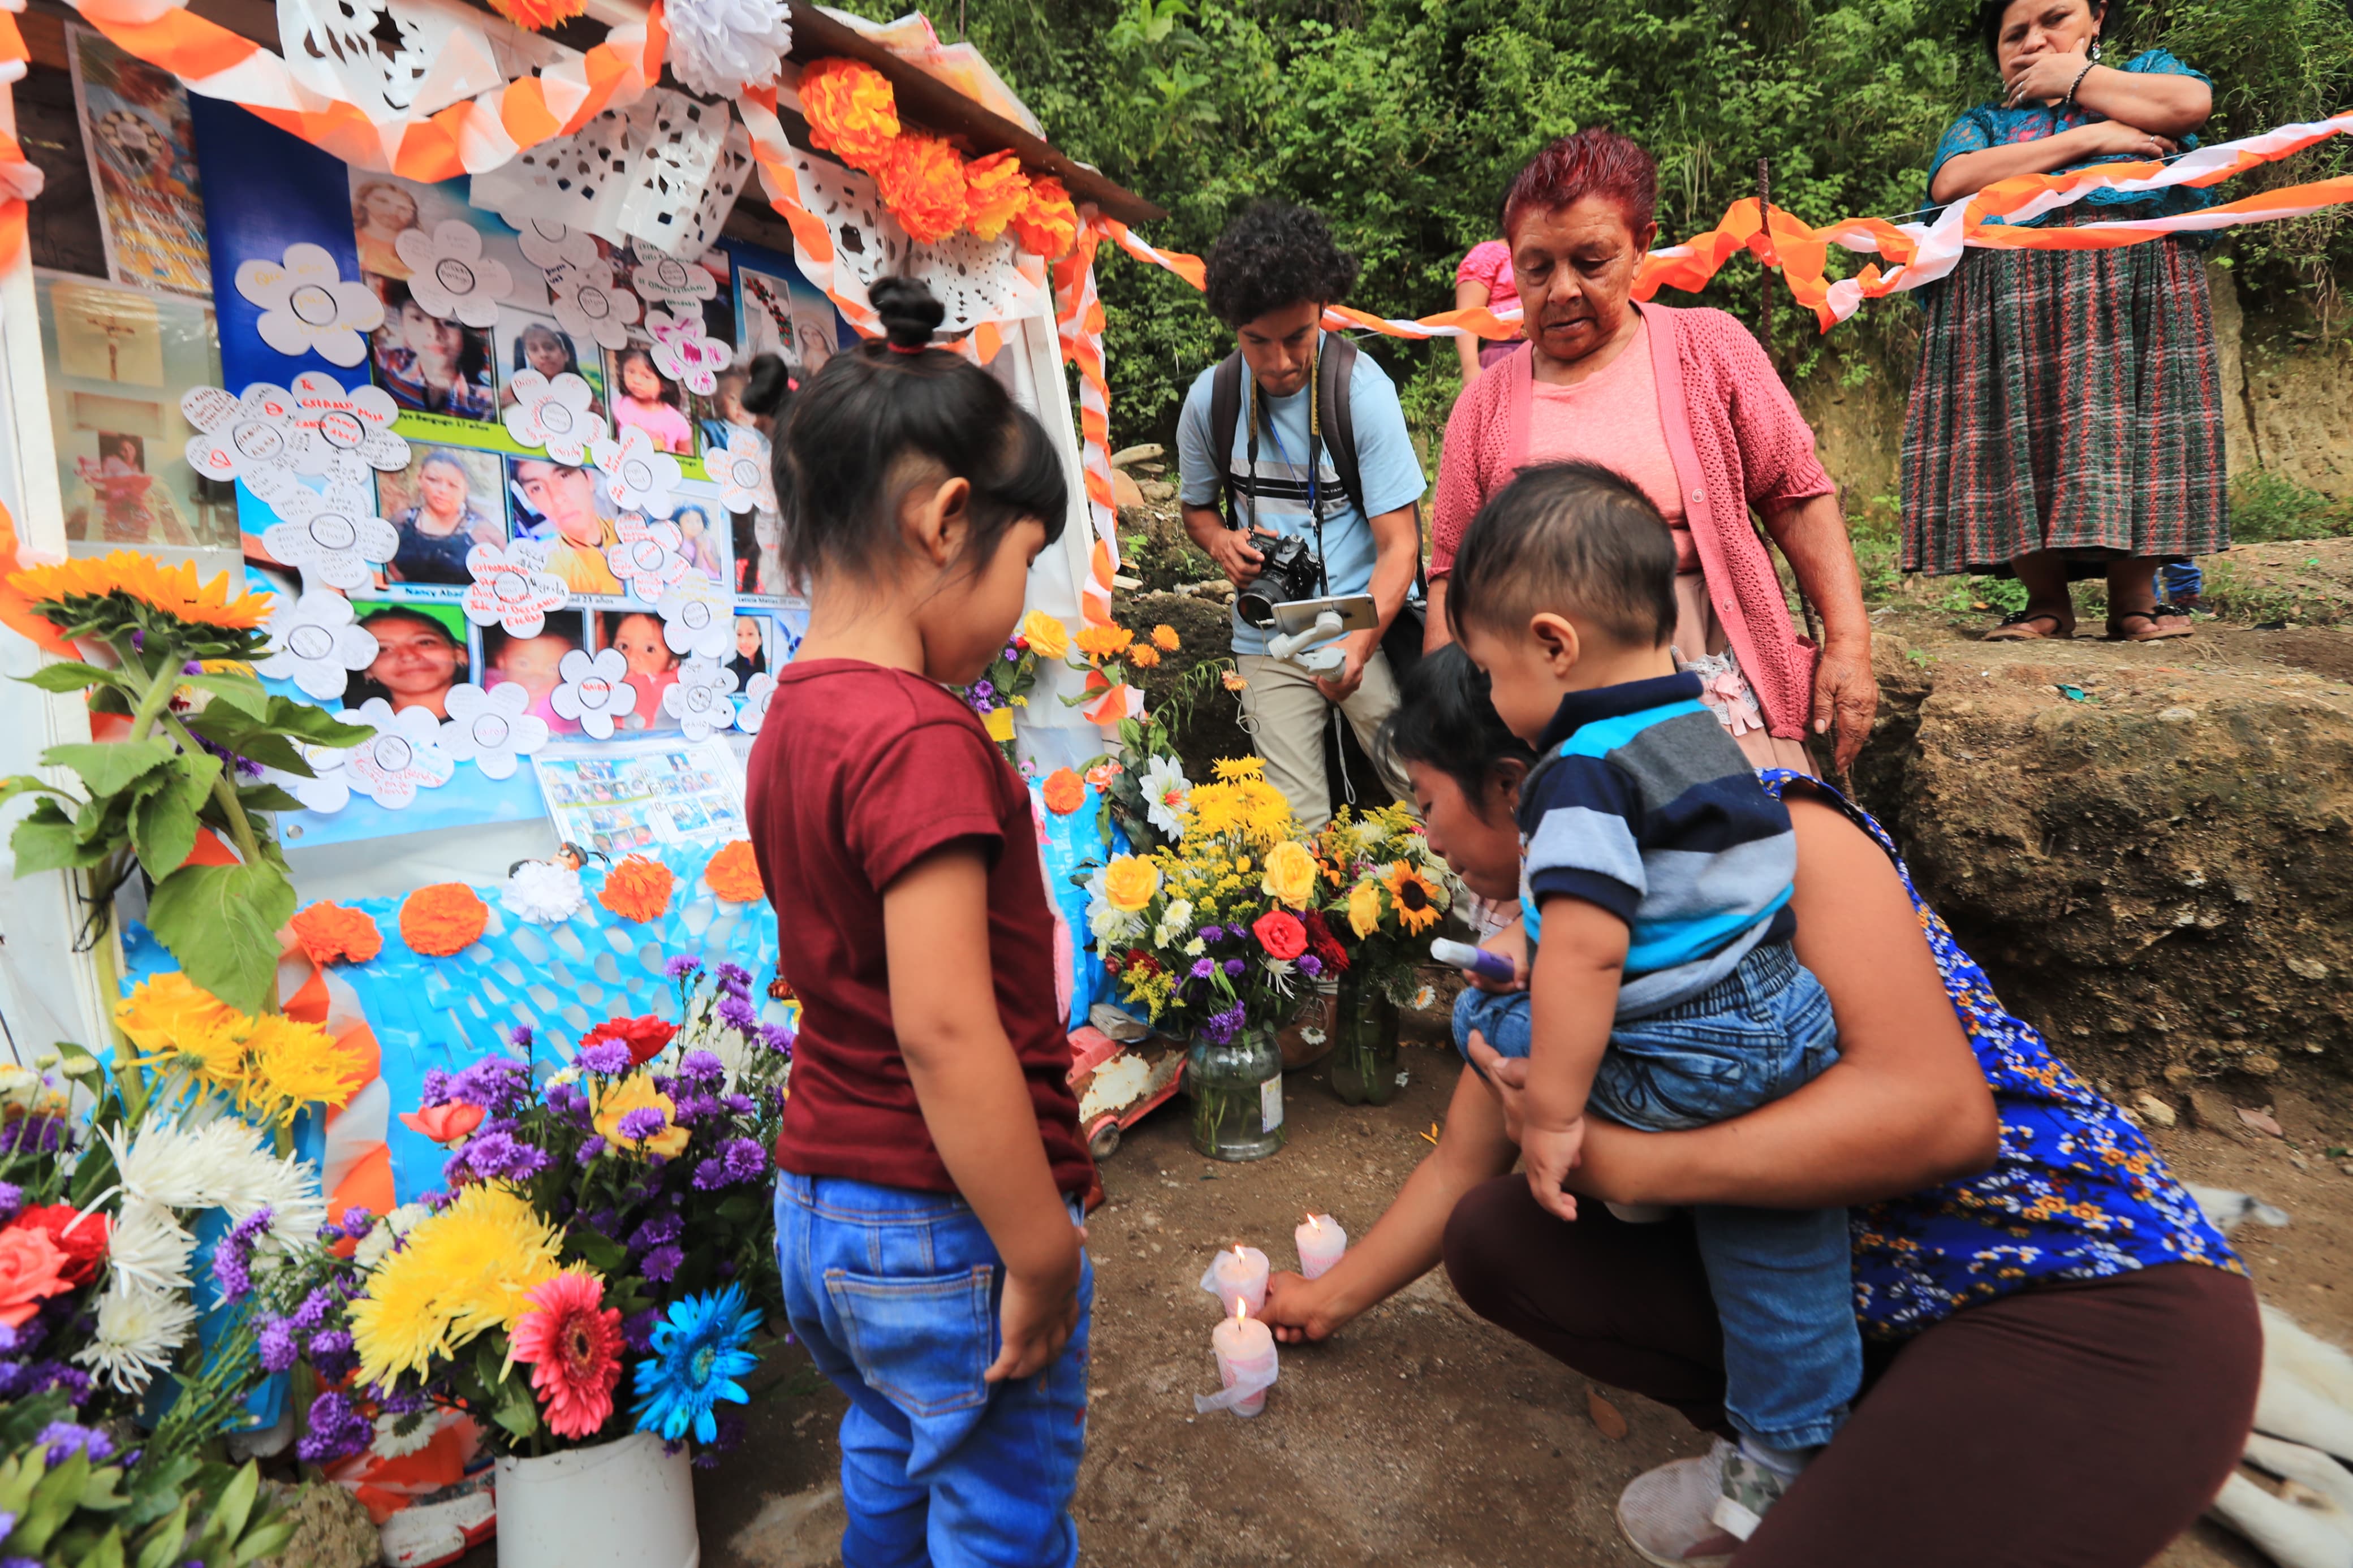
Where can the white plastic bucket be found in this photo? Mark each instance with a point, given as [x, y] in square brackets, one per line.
[617, 1505]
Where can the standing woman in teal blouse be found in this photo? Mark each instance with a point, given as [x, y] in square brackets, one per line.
[2066, 419]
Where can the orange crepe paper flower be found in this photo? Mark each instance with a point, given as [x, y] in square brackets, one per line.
[994, 190]
[733, 875]
[1047, 222]
[922, 180]
[330, 933]
[637, 889]
[538, 16]
[852, 110]
[174, 590]
[1065, 791]
[442, 919]
[443, 1123]
[32, 1269]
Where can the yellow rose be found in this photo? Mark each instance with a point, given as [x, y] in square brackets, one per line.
[1129, 882]
[637, 1092]
[1289, 874]
[1050, 637]
[1365, 907]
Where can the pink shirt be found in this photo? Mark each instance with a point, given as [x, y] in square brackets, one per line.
[1490, 262]
[667, 426]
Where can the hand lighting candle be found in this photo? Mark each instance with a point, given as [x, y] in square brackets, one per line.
[1321, 1242]
[1239, 1275]
[1245, 1350]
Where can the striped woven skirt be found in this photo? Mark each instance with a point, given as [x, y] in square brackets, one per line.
[2066, 400]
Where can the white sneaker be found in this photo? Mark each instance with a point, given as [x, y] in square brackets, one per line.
[1640, 1213]
[1749, 1489]
[1665, 1512]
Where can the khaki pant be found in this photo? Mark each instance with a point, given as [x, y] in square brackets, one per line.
[1285, 712]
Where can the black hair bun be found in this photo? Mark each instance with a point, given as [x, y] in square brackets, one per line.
[768, 380]
[910, 314]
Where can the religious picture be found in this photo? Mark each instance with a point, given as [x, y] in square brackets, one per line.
[142, 166]
[780, 313]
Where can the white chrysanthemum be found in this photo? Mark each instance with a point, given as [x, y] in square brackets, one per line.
[139, 1330]
[1175, 921]
[388, 1230]
[223, 1166]
[542, 892]
[1195, 948]
[149, 1245]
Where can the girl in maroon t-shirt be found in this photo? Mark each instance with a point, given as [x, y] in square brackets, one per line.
[927, 1208]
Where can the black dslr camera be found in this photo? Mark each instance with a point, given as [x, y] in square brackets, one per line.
[1292, 571]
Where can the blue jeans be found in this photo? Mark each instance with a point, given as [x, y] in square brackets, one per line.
[895, 1294]
[1782, 1279]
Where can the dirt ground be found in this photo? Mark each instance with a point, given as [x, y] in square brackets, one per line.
[1420, 1434]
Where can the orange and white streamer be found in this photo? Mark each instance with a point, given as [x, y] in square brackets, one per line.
[466, 138]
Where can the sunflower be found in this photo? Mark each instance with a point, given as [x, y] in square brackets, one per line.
[1418, 901]
[171, 590]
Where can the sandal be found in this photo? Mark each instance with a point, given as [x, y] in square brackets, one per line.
[2157, 625]
[2020, 628]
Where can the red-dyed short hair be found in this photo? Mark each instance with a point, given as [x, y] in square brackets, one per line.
[1597, 162]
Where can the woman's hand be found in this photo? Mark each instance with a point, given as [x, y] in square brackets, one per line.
[1512, 943]
[1299, 1310]
[2102, 137]
[1846, 699]
[1506, 1078]
[2045, 77]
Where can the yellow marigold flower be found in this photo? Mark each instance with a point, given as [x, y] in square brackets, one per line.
[1104, 641]
[1049, 637]
[637, 1092]
[996, 190]
[1129, 883]
[174, 590]
[1232, 770]
[1234, 681]
[463, 1271]
[1418, 901]
[1165, 638]
[1365, 907]
[1144, 656]
[1289, 874]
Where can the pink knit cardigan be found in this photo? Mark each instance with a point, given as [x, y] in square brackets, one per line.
[1737, 441]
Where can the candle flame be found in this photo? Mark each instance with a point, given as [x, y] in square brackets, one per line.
[1241, 1311]
[1314, 1225]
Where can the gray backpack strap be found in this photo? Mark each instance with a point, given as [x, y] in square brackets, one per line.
[1225, 417]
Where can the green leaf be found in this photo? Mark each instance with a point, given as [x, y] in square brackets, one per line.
[265, 1540]
[54, 1496]
[45, 841]
[266, 797]
[162, 1549]
[515, 1411]
[313, 725]
[163, 831]
[106, 766]
[270, 750]
[25, 783]
[242, 693]
[72, 675]
[221, 922]
[599, 1251]
[229, 1515]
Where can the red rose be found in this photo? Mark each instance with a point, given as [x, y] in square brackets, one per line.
[645, 1037]
[84, 1245]
[1140, 961]
[1324, 946]
[1281, 934]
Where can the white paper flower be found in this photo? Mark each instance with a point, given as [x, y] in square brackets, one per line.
[718, 47]
[699, 701]
[683, 354]
[553, 246]
[758, 692]
[450, 275]
[490, 729]
[638, 478]
[667, 280]
[542, 892]
[256, 437]
[647, 558]
[331, 537]
[746, 482]
[588, 304]
[307, 306]
[351, 432]
[596, 690]
[511, 588]
[404, 756]
[315, 641]
[554, 415]
[698, 619]
[1165, 790]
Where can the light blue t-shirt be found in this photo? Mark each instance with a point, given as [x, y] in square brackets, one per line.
[1390, 472]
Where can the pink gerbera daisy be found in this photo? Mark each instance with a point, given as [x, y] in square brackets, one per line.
[572, 1349]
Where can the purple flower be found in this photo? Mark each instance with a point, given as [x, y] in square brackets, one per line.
[733, 977]
[983, 693]
[737, 1104]
[233, 1259]
[520, 1037]
[337, 1431]
[357, 1223]
[746, 1161]
[313, 1312]
[637, 1328]
[66, 1439]
[276, 1343]
[1213, 933]
[12, 1198]
[643, 1123]
[1221, 1027]
[608, 1058]
[33, 1135]
[591, 1150]
[1204, 967]
[491, 1083]
[736, 1013]
[45, 1376]
[1310, 965]
[654, 1232]
[331, 1355]
[498, 1157]
[436, 1087]
[681, 966]
[567, 1100]
[778, 1039]
[662, 1264]
[1234, 967]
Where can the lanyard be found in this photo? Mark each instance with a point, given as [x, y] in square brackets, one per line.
[1315, 451]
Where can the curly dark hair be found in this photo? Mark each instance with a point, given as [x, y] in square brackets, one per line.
[1276, 255]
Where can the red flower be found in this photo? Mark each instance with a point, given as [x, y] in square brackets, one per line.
[1140, 961]
[83, 1242]
[645, 1037]
[1324, 946]
[1280, 932]
[443, 1123]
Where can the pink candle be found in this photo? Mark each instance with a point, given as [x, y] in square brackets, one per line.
[1321, 1242]
[1239, 1275]
[1245, 1349]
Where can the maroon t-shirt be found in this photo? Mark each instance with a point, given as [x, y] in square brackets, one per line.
[859, 773]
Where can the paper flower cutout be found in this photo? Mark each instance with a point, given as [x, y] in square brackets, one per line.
[443, 918]
[490, 729]
[308, 307]
[699, 701]
[512, 589]
[330, 933]
[542, 892]
[922, 181]
[554, 415]
[588, 304]
[315, 641]
[747, 482]
[552, 247]
[596, 690]
[647, 558]
[351, 432]
[449, 274]
[683, 354]
[667, 280]
[255, 437]
[404, 757]
[718, 47]
[638, 478]
[1065, 791]
[637, 889]
[733, 874]
[757, 692]
[331, 537]
[698, 621]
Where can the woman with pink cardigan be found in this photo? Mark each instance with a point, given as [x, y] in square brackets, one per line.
[1686, 405]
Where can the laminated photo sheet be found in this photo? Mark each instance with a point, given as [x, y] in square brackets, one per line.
[634, 797]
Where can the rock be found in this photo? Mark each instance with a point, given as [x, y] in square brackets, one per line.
[1158, 490]
[331, 1528]
[1125, 492]
[1149, 452]
[2210, 1110]
[2261, 1122]
[2153, 1110]
[2310, 968]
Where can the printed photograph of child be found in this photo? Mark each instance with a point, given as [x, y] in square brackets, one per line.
[645, 398]
[529, 342]
[567, 509]
[653, 669]
[534, 663]
[444, 503]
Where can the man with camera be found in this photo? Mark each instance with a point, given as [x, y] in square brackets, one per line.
[1299, 478]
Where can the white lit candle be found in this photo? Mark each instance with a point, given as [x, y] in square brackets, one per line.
[1239, 1275]
[1321, 1242]
[1245, 1350]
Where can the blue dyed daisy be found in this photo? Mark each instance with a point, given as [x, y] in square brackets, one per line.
[698, 1353]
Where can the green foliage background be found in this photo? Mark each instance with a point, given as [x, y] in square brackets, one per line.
[1403, 120]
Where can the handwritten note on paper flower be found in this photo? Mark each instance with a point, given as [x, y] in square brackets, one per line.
[490, 729]
[316, 642]
[450, 277]
[638, 478]
[404, 756]
[512, 589]
[647, 557]
[308, 306]
[747, 481]
[757, 693]
[699, 701]
[332, 537]
[595, 692]
[554, 415]
[683, 352]
[698, 621]
[588, 304]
